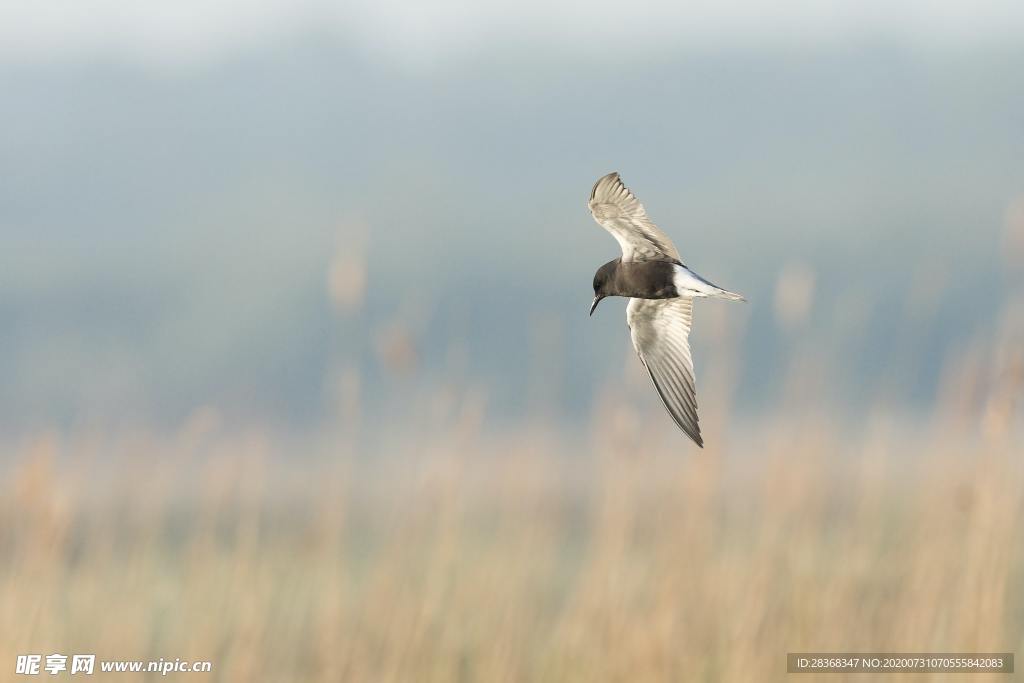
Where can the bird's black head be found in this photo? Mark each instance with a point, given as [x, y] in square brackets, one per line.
[603, 279]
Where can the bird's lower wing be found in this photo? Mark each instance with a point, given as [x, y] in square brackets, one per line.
[660, 329]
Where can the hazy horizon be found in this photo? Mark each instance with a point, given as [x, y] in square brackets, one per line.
[170, 234]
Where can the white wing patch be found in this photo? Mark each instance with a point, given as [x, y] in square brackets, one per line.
[660, 329]
[618, 211]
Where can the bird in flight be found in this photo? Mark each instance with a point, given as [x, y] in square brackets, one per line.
[661, 290]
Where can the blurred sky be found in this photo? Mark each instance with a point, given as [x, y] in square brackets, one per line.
[195, 31]
[248, 205]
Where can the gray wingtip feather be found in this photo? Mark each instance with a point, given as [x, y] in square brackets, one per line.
[613, 176]
[691, 429]
[693, 433]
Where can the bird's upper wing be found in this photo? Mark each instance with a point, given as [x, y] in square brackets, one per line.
[618, 211]
[660, 329]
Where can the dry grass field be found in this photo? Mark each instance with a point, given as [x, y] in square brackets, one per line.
[530, 557]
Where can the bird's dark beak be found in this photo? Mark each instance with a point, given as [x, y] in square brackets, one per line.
[597, 300]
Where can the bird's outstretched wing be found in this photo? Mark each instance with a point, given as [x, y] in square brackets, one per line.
[618, 211]
[660, 329]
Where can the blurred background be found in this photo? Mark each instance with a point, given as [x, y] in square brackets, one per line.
[295, 355]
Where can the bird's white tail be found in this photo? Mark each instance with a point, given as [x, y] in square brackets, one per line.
[688, 283]
[726, 294]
